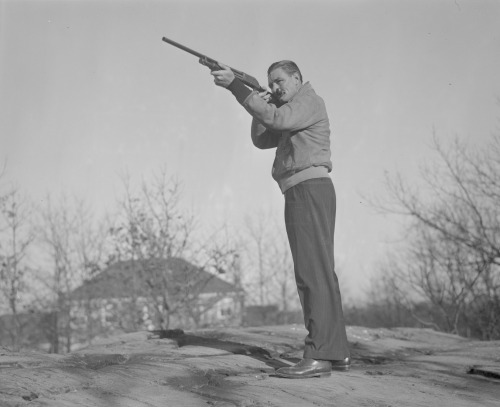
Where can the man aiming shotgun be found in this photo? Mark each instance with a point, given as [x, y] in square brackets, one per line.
[293, 119]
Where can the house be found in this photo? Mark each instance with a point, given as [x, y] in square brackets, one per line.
[154, 294]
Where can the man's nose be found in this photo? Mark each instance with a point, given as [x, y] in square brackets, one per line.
[274, 87]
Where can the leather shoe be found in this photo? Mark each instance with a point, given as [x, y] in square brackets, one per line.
[342, 365]
[306, 368]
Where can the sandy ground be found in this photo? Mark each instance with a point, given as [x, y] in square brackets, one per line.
[234, 367]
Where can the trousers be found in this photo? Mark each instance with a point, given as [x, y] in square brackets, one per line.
[310, 209]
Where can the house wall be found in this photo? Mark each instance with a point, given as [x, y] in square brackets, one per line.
[227, 311]
[102, 317]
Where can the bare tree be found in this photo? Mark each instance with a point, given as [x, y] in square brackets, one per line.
[74, 246]
[16, 236]
[465, 189]
[269, 257]
[453, 253]
[258, 232]
[91, 247]
[282, 273]
[152, 226]
[220, 253]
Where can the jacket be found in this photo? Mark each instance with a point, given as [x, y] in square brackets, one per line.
[300, 132]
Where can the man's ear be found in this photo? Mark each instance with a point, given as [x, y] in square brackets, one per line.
[297, 77]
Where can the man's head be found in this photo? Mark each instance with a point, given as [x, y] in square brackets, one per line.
[284, 79]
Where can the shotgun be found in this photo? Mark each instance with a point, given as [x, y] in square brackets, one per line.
[248, 80]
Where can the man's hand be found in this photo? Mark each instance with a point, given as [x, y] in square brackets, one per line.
[266, 96]
[224, 77]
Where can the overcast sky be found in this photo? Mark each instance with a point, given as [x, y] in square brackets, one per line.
[88, 90]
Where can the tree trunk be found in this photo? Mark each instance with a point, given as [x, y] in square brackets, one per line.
[16, 334]
[54, 337]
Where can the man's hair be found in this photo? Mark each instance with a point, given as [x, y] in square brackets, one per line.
[289, 67]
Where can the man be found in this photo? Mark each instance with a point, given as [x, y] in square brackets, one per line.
[293, 119]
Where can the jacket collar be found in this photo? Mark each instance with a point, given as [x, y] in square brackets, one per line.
[303, 89]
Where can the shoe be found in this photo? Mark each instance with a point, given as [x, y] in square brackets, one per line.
[341, 365]
[306, 369]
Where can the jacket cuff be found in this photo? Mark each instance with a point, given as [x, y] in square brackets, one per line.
[239, 90]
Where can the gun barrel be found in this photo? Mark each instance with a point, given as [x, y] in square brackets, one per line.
[184, 48]
[212, 64]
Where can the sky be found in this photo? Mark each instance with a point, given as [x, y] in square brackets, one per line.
[88, 91]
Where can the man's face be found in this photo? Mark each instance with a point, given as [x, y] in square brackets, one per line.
[282, 85]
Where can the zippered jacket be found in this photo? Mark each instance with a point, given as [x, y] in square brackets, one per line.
[299, 130]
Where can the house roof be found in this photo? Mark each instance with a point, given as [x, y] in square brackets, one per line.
[141, 277]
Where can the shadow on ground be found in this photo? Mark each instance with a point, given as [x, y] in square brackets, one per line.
[182, 339]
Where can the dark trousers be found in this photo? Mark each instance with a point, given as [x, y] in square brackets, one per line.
[310, 224]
